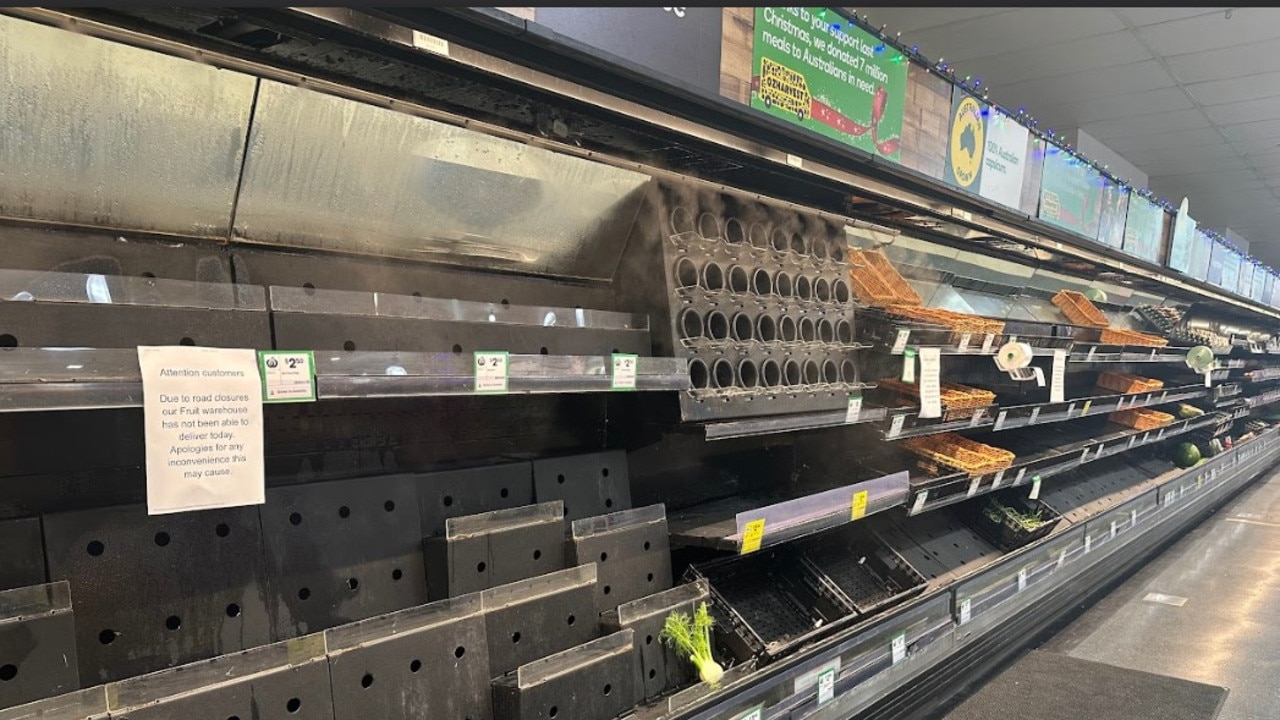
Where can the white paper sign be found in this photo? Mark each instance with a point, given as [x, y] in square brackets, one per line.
[899, 648]
[1004, 162]
[202, 419]
[1059, 376]
[930, 382]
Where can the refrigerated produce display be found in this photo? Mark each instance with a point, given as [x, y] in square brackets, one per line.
[577, 372]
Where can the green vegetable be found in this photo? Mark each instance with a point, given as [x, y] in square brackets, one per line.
[1186, 455]
[1187, 412]
[690, 637]
[999, 512]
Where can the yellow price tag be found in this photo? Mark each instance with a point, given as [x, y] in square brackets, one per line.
[859, 504]
[1085, 410]
[752, 534]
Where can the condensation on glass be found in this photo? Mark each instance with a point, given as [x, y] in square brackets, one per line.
[324, 172]
[103, 134]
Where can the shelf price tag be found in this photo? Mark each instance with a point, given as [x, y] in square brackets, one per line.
[966, 611]
[988, 343]
[1132, 440]
[859, 506]
[1022, 579]
[826, 686]
[1084, 455]
[973, 486]
[1022, 472]
[1035, 488]
[287, 377]
[998, 479]
[1070, 409]
[853, 410]
[1059, 376]
[899, 648]
[964, 342]
[1092, 349]
[930, 383]
[978, 416]
[900, 342]
[1115, 528]
[1088, 542]
[895, 426]
[1035, 415]
[1062, 559]
[1208, 378]
[1133, 517]
[909, 365]
[624, 371]
[999, 424]
[755, 713]
[492, 370]
[752, 535]
[1085, 410]
[921, 499]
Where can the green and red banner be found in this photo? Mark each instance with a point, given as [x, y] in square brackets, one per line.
[814, 68]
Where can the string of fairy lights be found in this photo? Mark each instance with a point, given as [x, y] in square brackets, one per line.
[1052, 141]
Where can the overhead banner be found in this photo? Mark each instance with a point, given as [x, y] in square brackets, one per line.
[986, 152]
[1070, 193]
[814, 68]
[1143, 229]
[1115, 206]
[1184, 237]
[672, 41]
[1216, 261]
[1259, 281]
[1245, 285]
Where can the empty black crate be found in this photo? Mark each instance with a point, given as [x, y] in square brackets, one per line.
[869, 574]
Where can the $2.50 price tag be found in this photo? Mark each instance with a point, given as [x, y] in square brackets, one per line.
[624, 371]
[287, 376]
[492, 371]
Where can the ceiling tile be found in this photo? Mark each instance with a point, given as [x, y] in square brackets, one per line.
[1182, 167]
[1078, 87]
[1267, 108]
[1168, 155]
[1062, 58]
[1177, 139]
[1236, 89]
[1261, 130]
[1021, 29]
[1115, 107]
[1228, 62]
[1213, 31]
[1153, 15]
[1163, 122]
[911, 19]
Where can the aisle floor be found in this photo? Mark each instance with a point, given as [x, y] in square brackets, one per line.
[1207, 609]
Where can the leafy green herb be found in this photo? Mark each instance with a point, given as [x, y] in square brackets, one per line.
[691, 638]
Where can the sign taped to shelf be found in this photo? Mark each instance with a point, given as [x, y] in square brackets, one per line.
[930, 383]
[752, 536]
[624, 371]
[908, 365]
[287, 376]
[202, 423]
[859, 505]
[492, 372]
[900, 342]
[966, 611]
[899, 648]
[853, 410]
[1059, 376]
[1035, 488]
[895, 426]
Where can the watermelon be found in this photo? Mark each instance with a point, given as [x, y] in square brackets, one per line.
[1186, 455]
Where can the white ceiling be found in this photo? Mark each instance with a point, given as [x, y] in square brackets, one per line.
[1188, 95]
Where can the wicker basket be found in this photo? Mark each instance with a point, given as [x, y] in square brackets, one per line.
[946, 318]
[1079, 310]
[1141, 418]
[1127, 384]
[1111, 336]
[877, 282]
[956, 452]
